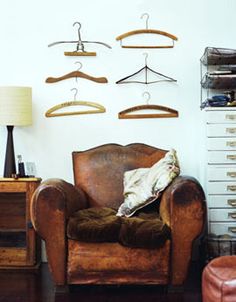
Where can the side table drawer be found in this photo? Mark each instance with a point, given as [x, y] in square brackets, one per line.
[222, 187]
[219, 228]
[221, 201]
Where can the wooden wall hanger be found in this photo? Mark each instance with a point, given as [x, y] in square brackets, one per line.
[80, 50]
[77, 74]
[162, 111]
[97, 108]
[146, 31]
[146, 69]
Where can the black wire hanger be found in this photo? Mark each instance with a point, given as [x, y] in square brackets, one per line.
[163, 78]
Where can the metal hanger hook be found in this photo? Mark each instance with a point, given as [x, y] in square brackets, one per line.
[79, 35]
[76, 92]
[78, 62]
[147, 18]
[146, 56]
[148, 96]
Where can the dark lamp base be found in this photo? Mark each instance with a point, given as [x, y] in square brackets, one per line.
[10, 164]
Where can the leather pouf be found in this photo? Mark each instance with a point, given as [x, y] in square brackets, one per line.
[219, 280]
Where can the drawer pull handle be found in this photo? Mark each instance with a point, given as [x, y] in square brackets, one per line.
[231, 202]
[231, 174]
[230, 117]
[231, 144]
[231, 188]
[232, 229]
[232, 215]
[231, 157]
[231, 130]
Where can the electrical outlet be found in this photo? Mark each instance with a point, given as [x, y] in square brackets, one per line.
[30, 169]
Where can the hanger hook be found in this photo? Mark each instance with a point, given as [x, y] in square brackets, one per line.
[79, 27]
[147, 18]
[146, 56]
[148, 96]
[76, 92]
[78, 62]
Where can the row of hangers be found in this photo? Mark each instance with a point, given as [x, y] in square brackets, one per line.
[128, 79]
[162, 111]
[80, 44]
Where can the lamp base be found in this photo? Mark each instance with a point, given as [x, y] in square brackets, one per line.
[10, 163]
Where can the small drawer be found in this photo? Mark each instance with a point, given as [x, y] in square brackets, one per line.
[221, 117]
[221, 143]
[220, 228]
[222, 215]
[221, 187]
[221, 130]
[221, 201]
[220, 173]
[221, 157]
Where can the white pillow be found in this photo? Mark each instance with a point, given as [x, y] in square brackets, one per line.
[144, 185]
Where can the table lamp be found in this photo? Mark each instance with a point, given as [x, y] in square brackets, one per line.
[15, 110]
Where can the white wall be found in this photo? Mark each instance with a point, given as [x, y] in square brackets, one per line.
[28, 26]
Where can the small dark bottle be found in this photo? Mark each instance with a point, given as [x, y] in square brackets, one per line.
[21, 167]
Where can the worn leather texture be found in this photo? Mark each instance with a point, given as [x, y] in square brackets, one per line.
[99, 182]
[99, 171]
[219, 280]
[112, 263]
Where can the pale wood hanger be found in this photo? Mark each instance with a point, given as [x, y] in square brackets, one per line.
[166, 111]
[147, 31]
[76, 74]
[97, 108]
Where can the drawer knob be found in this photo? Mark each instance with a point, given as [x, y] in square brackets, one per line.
[231, 188]
[231, 130]
[231, 144]
[232, 202]
[231, 157]
[230, 117]
[231, 174]
[232, 229]
[232, 215]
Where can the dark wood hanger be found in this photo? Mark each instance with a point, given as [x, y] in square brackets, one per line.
[166, 111]
[146, 69]
[147, 31]
[76, 74]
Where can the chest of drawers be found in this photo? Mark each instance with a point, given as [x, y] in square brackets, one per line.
[221, 170]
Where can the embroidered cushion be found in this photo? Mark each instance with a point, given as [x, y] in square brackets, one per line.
[142, 186]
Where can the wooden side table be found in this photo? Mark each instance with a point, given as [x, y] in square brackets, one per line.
[20, 248]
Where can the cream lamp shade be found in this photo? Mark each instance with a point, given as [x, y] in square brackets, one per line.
[15, 106]
[15, 110]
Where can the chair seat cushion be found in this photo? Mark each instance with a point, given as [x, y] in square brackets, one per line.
[145, 230]
[94, 225]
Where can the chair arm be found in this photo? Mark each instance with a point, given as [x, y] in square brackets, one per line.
[52, 204]
[183, 208]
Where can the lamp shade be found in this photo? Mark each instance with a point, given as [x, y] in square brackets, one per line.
[15, 106]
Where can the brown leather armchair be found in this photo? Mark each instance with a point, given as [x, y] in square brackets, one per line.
[98, 175]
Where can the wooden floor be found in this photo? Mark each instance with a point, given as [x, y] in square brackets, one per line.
[38, 287]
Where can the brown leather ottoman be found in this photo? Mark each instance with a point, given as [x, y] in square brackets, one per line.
[219, 280]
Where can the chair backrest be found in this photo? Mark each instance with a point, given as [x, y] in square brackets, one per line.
[99, 171]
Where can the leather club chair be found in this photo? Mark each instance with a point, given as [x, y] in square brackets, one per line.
[98, 175]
